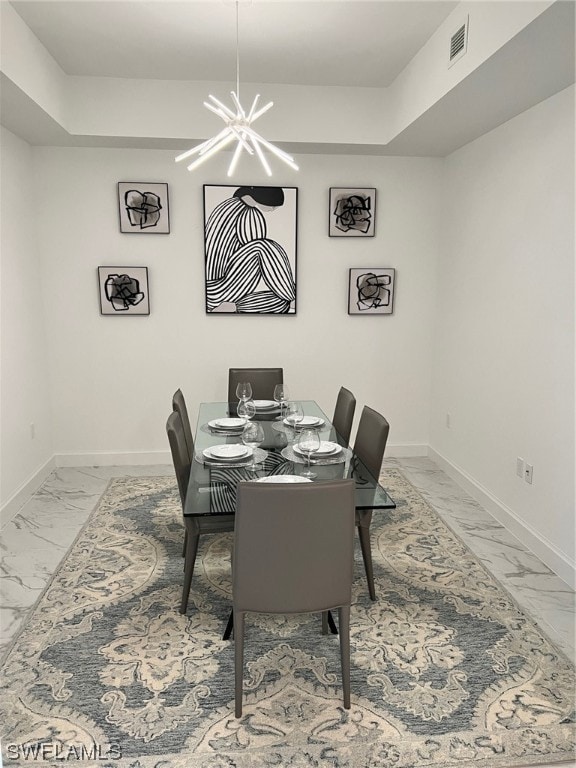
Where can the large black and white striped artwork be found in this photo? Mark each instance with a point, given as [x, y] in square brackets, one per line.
[250, 248]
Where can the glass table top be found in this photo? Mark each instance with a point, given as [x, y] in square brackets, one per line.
[212, 486]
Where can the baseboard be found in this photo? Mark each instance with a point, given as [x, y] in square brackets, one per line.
[105, 459]
[547, 552]
[10, 509]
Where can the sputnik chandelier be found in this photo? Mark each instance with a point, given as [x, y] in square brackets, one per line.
[238, 128]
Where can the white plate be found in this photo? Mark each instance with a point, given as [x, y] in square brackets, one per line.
[326, 449]
[227, 452]
[284, 479]
[307, 421]
[227, 423]
[264, 404]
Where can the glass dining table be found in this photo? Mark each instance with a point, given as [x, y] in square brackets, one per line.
[217, 469]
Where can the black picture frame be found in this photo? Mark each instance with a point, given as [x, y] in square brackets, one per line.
[253, 272]
[371, 290]
[352, 212]
[123, 291]
[144, 207]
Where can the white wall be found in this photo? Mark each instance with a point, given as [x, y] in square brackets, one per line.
[25, 397]
[504, 361]
[113, 377]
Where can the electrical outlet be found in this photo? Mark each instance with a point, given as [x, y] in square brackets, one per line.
[448, 421]
[32, 431]
[528, 473]
[520, 467]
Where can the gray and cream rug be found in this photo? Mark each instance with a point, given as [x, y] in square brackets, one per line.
[446, 669]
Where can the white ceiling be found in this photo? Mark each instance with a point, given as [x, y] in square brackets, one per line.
[303, 42]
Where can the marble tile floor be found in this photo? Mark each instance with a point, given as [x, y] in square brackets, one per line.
[33, 543]
[537, 589]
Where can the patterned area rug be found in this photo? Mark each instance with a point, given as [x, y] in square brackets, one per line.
[446, 669]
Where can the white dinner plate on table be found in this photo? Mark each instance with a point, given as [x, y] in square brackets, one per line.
[231, 452]
[265, 405]
[327, 448]
[284, 479]
[307, 421]
[227, 423]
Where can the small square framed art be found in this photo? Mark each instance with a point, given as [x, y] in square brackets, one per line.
[371, 291]
[352, 212]
[123, 291]
[143, 208]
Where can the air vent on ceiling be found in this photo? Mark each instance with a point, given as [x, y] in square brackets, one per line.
[458, 43]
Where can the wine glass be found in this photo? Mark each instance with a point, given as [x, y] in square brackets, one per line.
[246, 410]
[253, 436]
[309, 443]
[281, 395]
[244, 390]
[294, 414]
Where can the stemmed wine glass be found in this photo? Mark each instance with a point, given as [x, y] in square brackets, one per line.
[309, 443]
[246, 410]
[294, 414]
[253, 436]
[281, 395]
[244, 390]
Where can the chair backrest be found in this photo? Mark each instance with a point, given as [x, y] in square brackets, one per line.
[180, 455]
[293, 546]
[371, 437]
[263, 381]
[179, 404]
[344, 413]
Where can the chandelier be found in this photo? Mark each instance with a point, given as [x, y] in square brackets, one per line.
[238, 128]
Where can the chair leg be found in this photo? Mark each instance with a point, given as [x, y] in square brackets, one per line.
[364, 534]
[344, 627]
[328, 623]
[238, 661]
[229, 627]
[191, 550]
[185, 543]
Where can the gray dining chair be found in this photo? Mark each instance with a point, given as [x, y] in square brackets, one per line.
[263, 381]
[369, 447]
[344, 414]
[194, 526]
[179, 404]
[277, 569]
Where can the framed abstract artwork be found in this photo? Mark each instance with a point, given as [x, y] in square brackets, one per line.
[123, 290]
[250, 249]
[352, 212]
[371, 291]
[143, 208]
